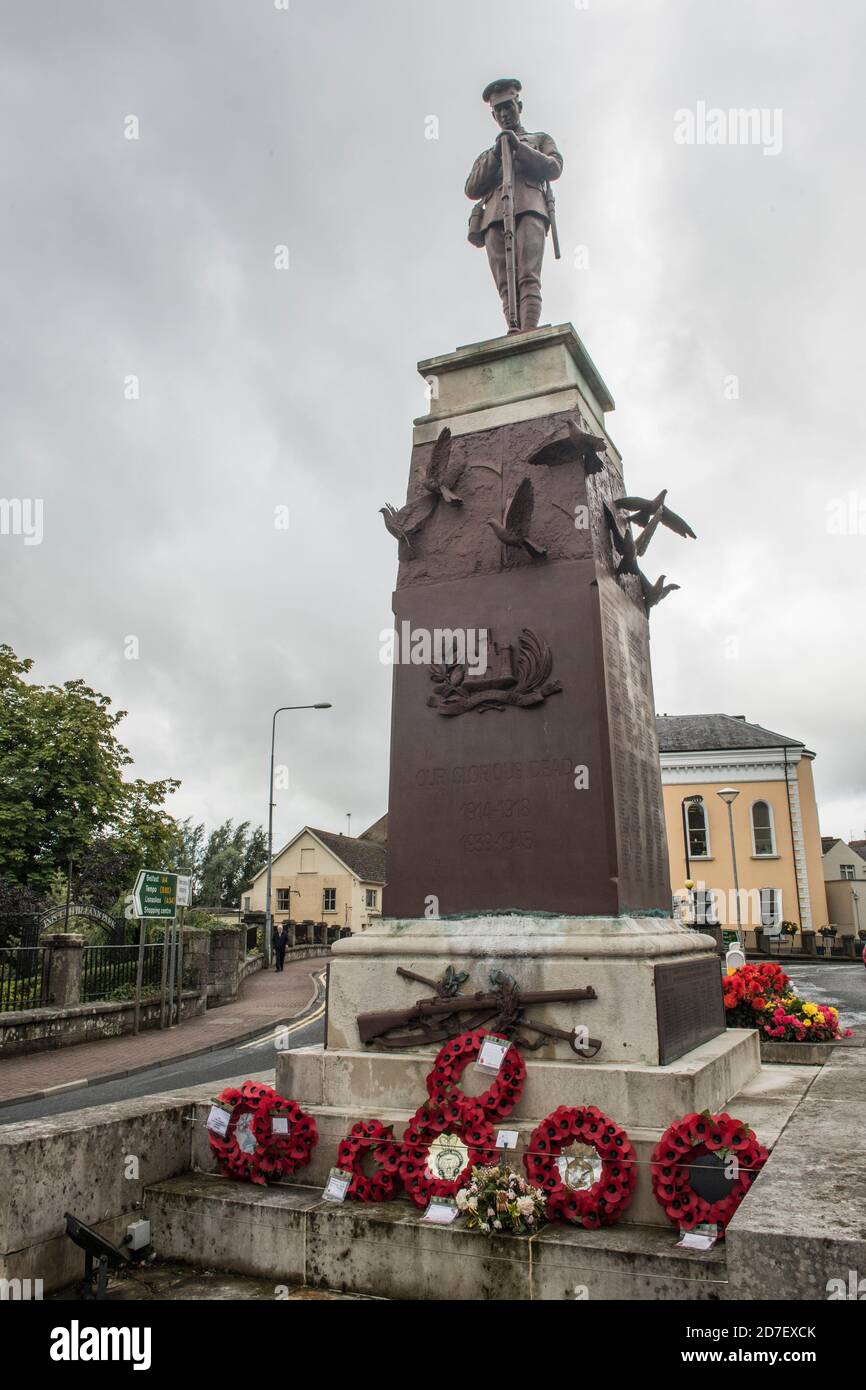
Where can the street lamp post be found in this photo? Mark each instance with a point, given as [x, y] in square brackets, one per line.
[268, 928]
[729, 796]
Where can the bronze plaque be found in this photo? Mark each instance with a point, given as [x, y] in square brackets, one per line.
[689, 1005]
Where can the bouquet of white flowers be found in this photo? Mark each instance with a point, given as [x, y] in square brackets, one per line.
[499, 1201]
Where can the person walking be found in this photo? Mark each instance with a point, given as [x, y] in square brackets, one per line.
[281, 941]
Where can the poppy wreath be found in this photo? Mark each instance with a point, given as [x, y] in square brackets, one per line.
[370, 1136]
[469, 1123]
[498, 1101]
[604, 1202]
[275, 1155]
[690, 1138]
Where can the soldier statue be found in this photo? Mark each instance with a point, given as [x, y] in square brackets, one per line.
[515, 208]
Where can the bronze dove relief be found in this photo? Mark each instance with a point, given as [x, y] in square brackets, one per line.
[513, 529]
[441, 477]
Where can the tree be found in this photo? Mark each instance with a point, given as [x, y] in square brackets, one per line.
[62, 793]
[232, 856]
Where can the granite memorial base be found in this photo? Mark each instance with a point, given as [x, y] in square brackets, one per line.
[658, 987]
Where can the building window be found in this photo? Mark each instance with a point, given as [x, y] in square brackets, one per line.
[771, 907]
[283, 899]
[699, 835]
[329, 900]
[847, 871]
[308, 861]
[763, 839]
[247, 903]
[372, 897]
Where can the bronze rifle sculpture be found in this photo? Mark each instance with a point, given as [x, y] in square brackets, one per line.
[500, 1011]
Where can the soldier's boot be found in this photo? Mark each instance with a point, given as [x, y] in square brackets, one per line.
[530, 311]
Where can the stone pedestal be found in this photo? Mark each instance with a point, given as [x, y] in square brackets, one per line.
[526, 833]
[551, 803]
[64, 967]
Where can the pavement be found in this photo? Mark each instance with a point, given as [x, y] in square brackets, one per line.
[266, 999]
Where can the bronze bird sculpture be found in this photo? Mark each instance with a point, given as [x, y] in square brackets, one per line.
[442, 475]
[641, 510]
[654, 593]
[623, 544]
[409, 519]
[513, 529]
[580, 445]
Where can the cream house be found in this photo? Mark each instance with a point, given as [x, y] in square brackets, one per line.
[845, 882]
[777, 840]
[320, 876]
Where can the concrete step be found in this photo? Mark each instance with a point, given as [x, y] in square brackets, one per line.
[289, 1235]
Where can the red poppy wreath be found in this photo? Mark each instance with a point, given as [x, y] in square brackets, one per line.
[737, 1158]
[441, 1145]
[500, 1098]
[589, 1193]
[253, 1148]
[370, 1137]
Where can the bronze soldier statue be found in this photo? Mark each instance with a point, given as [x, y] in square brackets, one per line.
[512, 181]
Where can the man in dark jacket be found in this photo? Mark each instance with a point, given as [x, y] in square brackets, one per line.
[536, 162]
[281, 941]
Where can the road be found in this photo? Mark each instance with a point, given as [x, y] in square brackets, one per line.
[841, 985]
[254, 1056]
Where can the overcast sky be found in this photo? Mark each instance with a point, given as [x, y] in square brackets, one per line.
[260, 388]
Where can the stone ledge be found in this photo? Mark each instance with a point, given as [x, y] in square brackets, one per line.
[634, 1095]
[290, 1234]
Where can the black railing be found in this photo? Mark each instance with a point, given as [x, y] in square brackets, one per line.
[112, 970]
[24, 977]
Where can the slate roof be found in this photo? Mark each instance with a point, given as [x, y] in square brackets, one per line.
[378, 831]
[696, 733]
[827, 843]
[365, 858]
[859, 847]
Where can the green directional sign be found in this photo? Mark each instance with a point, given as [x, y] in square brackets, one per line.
[155, 894]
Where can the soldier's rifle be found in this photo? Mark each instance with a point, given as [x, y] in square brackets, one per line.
[508, 227]
[437, 1019]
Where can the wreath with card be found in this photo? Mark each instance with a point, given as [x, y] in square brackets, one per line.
[500, 1098]
[441, 1145]
[702, 1168]
[365, 1138]
[593, 1187]
[266, 1137]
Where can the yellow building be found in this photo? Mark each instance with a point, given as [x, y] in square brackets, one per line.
[777, 840]
[320, 876]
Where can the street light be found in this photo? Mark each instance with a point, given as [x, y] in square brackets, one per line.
[268, 927]
[729, 796]
[696, 800]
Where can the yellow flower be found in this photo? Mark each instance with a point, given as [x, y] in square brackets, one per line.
[807, 1023]
[769, 1004]
[810, 1010]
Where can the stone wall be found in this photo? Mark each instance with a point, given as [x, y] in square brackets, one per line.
[42, 1030]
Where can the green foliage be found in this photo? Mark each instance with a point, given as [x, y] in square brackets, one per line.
[62, 793]
[224, 863]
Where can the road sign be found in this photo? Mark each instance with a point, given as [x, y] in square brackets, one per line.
[155, 894]
[184, 890]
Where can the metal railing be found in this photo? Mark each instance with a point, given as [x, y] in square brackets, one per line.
[24, 977]
[106, 970]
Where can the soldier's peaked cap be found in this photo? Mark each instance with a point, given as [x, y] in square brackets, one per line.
[501, 90]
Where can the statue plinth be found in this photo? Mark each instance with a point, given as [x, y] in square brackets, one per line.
[526, 836]
[548, 800]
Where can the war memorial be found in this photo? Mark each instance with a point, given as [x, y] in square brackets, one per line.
[526, 920]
